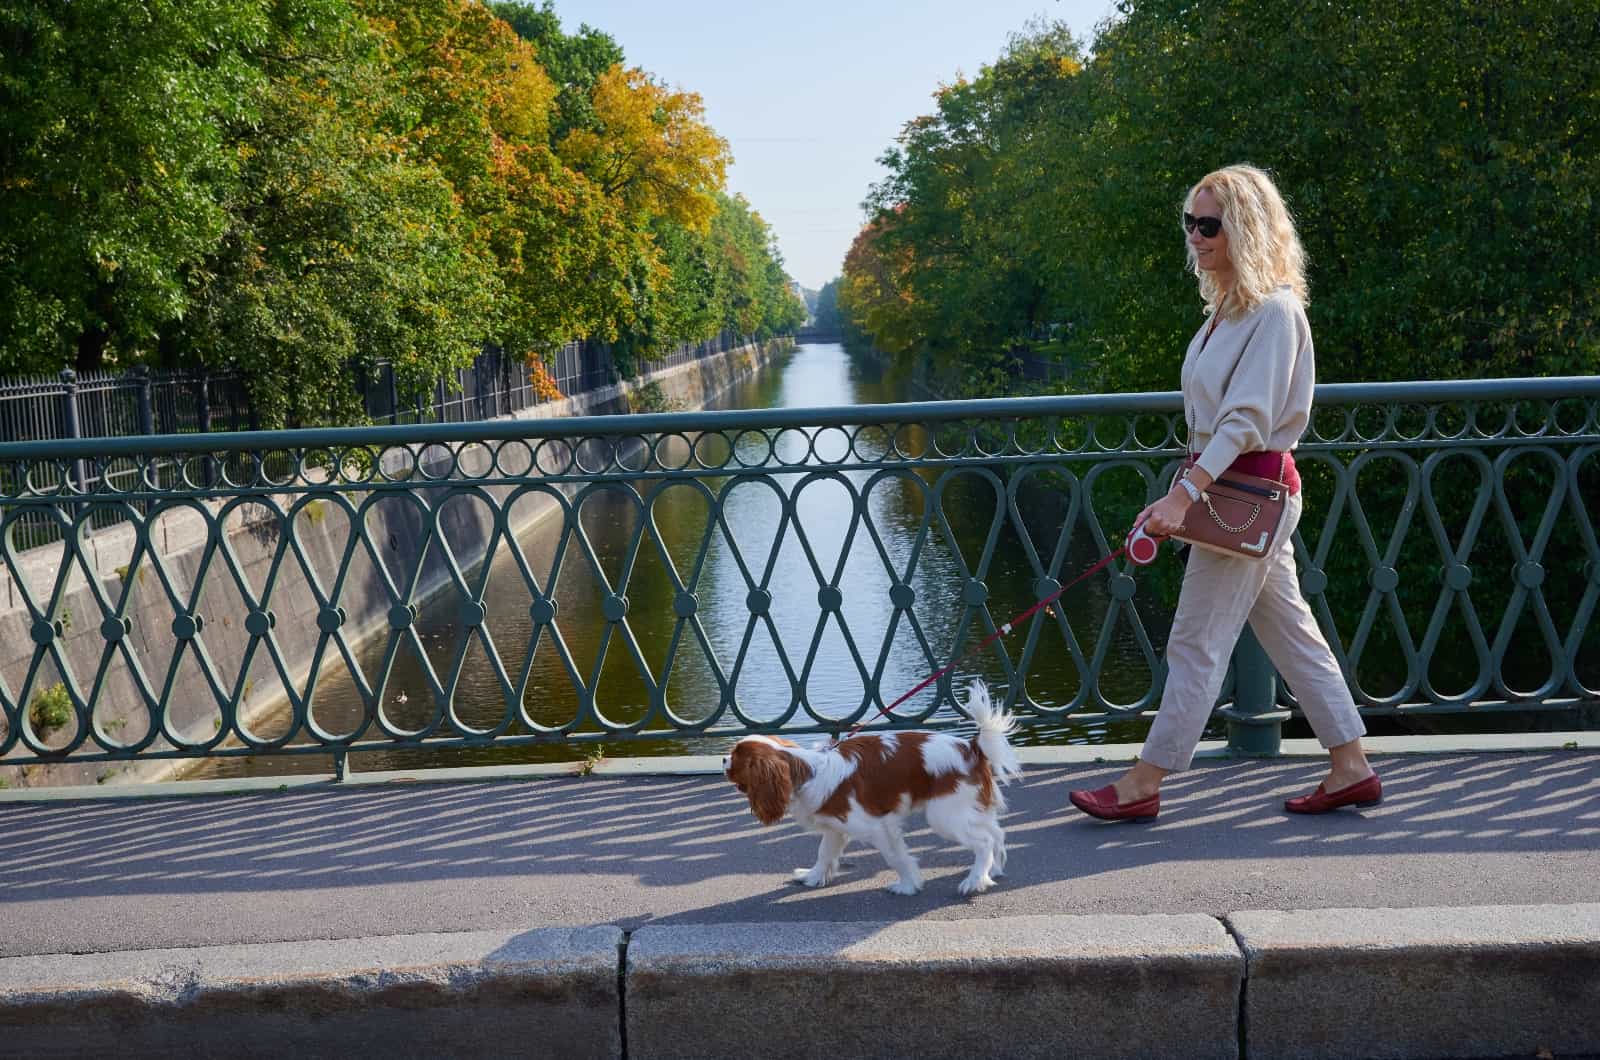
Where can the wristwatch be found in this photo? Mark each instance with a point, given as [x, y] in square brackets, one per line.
[1190, 488]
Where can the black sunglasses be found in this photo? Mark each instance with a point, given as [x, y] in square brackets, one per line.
[1209, 226]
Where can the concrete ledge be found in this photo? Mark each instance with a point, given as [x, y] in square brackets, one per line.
[692, 765]
[1485, 981]
[165, 789]
[1030, 986]
[469, 994]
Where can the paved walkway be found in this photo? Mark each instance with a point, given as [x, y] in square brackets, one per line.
[326, 862]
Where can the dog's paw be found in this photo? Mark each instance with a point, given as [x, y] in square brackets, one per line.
[810, 877]
[976, 886]
[905, 887]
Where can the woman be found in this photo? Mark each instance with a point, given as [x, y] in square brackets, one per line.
[1247, 382]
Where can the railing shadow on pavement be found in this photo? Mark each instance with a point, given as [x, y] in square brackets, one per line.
[678, 832]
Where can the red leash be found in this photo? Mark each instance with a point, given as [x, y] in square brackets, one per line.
[990, 639]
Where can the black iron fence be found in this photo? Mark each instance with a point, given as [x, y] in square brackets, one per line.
[1039, 368]
[142, 402]
[106, 405]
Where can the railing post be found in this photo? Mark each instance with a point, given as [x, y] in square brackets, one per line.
[203, 404]
[69, 414]
[1255, 724]
[147, 419]
[363, 383]
[203, 411]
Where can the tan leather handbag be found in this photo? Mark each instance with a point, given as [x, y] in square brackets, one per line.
[1238, 514]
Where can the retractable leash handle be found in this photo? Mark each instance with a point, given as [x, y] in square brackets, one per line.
[1142, 548]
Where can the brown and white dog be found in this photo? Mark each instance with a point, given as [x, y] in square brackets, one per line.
[866, 786]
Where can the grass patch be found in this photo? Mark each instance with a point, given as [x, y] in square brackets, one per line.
[51, 709]
[650, 397]
[593, 755]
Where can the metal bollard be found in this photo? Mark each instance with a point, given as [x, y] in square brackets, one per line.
[1255, 724]
[69, 414]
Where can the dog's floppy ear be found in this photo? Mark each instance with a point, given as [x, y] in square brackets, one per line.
[769, 779]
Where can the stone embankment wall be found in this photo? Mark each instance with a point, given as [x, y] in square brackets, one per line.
[253, 536]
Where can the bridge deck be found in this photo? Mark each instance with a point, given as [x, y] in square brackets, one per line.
[353, 861]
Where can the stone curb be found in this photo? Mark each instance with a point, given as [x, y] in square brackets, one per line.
[1488, 981]
[1476, 981]
[1028, 986]
[492, 993]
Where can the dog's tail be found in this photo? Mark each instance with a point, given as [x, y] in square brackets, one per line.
[994, 725]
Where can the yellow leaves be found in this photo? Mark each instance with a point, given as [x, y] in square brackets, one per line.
[540, 380]
[654, 150]
[524, 97]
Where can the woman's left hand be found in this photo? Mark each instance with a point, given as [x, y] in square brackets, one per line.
[1166, 515]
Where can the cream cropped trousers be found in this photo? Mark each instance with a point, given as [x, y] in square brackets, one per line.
[1220, 593]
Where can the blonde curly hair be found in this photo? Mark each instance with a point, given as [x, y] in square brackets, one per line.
[1262, 243]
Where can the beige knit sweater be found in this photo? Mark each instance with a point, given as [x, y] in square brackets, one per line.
[1250, 388]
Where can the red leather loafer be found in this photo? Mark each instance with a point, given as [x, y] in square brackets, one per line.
[1367, 792]
[1102, 803]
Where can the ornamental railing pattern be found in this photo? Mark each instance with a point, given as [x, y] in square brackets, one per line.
[481, 585]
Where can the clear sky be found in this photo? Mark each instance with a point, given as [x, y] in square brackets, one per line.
[809, 95]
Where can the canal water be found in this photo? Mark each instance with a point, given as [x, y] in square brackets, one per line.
[734, 562]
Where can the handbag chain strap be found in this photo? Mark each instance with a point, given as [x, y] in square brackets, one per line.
[1255, 513]
[1205, 497]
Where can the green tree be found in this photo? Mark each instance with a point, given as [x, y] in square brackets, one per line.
[113, 170]
[965, 186]
[1441, 161]
[677, 301]
[752, 290]
[1436, 156]
[827, 311]
[338, 250]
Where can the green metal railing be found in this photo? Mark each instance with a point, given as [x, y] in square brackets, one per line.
[1448, 550]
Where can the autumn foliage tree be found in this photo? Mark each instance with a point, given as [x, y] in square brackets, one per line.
[875, 294]
[339, 248]
[299, 189]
